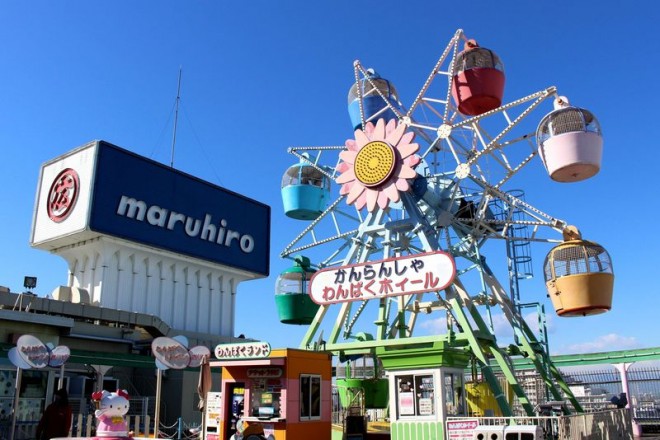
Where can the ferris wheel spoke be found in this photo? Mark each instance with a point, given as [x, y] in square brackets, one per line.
[436, 69]
[362, 74]
[538, 98]
[309, 232]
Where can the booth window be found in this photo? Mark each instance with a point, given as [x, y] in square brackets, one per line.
[265, 398]
[415, 395]
[453, 387]
[310, 397]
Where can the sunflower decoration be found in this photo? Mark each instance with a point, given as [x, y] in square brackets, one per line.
[377, 165]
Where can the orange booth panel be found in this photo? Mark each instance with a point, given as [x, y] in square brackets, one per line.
[287, 395]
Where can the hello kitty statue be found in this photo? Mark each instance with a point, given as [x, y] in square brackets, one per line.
[112, 407]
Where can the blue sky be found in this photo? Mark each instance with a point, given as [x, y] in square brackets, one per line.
[261, 76]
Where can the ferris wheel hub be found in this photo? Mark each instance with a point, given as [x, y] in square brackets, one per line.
[444, 131]
[462, 170]
[374, 163]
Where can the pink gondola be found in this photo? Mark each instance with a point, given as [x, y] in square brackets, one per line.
[570, 143]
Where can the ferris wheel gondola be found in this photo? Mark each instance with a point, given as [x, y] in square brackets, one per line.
[372, 98]
[478, 81]
[570, 142]
[305, 190]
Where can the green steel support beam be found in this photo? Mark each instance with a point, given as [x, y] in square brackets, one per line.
[493, 349]
[477, 349]
[539, 358]
[610, 357]
[510, 376]
[381, 324]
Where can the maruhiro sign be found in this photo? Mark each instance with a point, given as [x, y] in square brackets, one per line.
[384, 278]
[103, 190]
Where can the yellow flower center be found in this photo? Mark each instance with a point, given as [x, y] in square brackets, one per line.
[374, 163]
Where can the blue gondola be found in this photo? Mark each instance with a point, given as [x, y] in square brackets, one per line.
[305, 191]
[373, 104]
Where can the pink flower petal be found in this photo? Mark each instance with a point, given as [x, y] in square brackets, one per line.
[394, 137]
[369, 129]
[361, 138]
[379, 131]
[342, 166]
[348, 176]
[355, 192]
[349, 156]
[406, 172]
[390, 127]
[383, 200]
[351, 144]
[407, 138]
[361, 201]
[372, 198]
[392, 192]
[407, 149]
[402, 185]
[345, 188]
[412, 161]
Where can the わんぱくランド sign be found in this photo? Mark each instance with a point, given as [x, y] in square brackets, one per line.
[246, 350]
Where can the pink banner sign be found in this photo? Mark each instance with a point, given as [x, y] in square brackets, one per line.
[32, 351]
[461, 429]
[197, 355]
[170, 352]
[59, 355]
[407, 275]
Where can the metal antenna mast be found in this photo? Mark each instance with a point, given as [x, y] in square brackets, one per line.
[176, 117]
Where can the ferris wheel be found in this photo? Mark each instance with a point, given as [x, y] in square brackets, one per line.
[405, 218]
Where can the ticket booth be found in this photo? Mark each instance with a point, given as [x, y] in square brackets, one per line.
[286, 393]
[426, 386]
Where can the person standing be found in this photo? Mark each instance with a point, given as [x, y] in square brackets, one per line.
[56, 420]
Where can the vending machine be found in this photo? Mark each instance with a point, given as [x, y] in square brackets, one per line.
[213, 408]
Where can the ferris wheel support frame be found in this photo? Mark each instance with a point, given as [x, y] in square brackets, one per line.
[381, 233]
[481, 341]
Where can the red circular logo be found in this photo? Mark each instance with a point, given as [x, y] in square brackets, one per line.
[63, 195]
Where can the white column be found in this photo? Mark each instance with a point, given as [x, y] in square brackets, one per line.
[192, 306]
[166, 292]
[151, 287]
[110, 283]
[228, 303]
[179, 298]
[139, 284]
[124, 280]
[217, 287]
[204, 304]
[623, 372]
[97, 279]
[83, 271]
